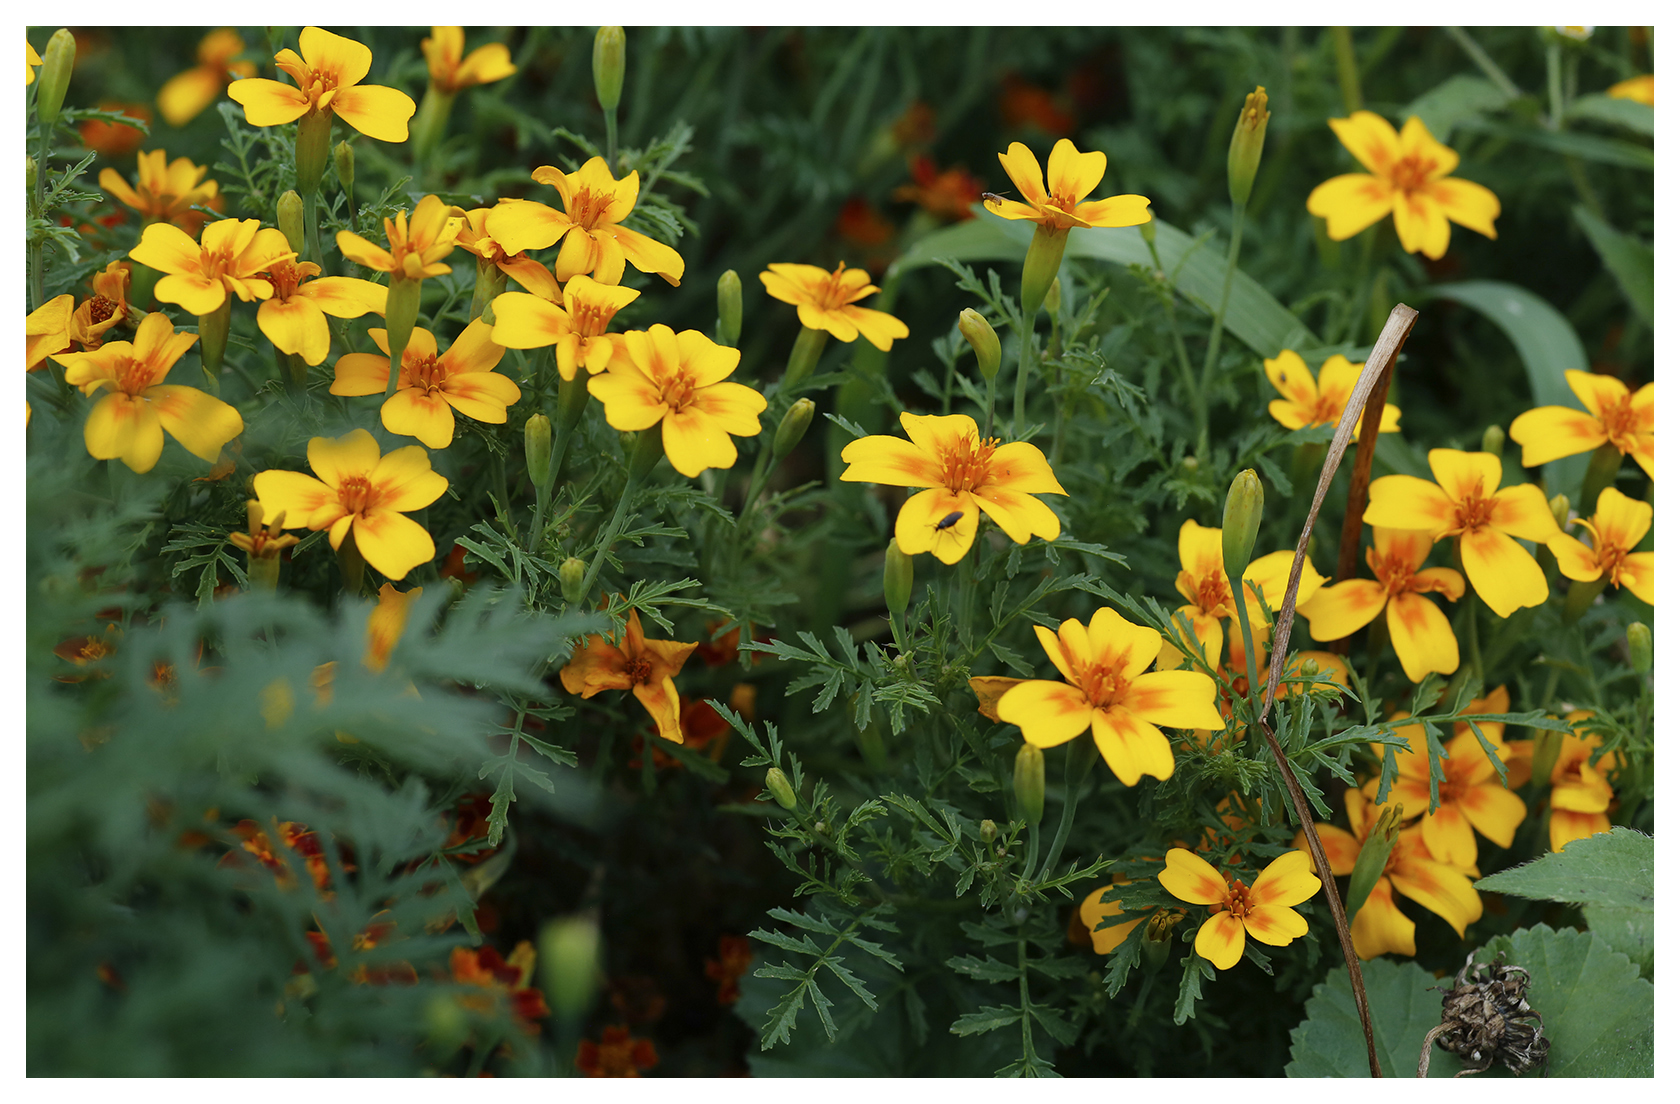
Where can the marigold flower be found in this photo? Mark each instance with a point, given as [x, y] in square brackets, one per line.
[259, 541]
[46, 329]
[486, 969]
[589, 232]
[1626, 420]
[128, 423]
[950, 194]
[1467, 503]
[1262, 911]
[1410, 175]
[1203, 582]
[1024, 104]
[1073, 176]
[234, 257]
[1309, 402]
[644, 667]
[618, 1054]
[575, 323]
[386, 623]
[1379, 927]
[1422, 637]
[679, 381]
[115, 139]
[1108, 691]
[531, 274]
[107, 307]
[1093, 912]
[733, 957]
[450, 72]
[825, 301]
[328, 76]
[964, 475]
[362, 492]
[166, 190]
[1581, 792]
[186, 94]
[430, 384]
[295, 317]
[1642, 89]
[30, 60]
[418, 242]
[1617, 528]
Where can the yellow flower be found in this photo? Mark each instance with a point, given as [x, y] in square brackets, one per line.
[1204, 584]
[1073, 176]
[451, 73]
[1581, 793]
[1092, 912]
[1262, 911]
[1468, 504]
[328, 77]
[360, 491]
[386, 623]
[576, 325]
[105, 308]
[531, 274]
[47, 329]
[128, 423]
[429, 384]
[1625, 420]
[642, 666]
[1641, 89]
[825, 301]
[234, 257]
[1617, 528]
[1422, 636]
[295, 317]
[964, 475]
[30, 60]
[1108, 691]
[166, 192]
[1410, 175]
[418, 243]
[591, 239]
[1307, 402]
[680, 381]
[186, 94]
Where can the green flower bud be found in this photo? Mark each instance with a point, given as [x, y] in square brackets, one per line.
[1639, 646]
[988, 831]
[1053, 298]
[314, 141]
[1147, 229]
[1158, 934]
[344, 162]
[780, 788]
[539, 448]
[897, 579]
[29, 171]
[984, 341]
[729, 308]
[572, 571]
[288, 213]
[1190, 464]
[792, 430]
[1493, 440]
[1560, 509]
[569, 951]
[1243, 504]
[446, 1024]
[609, 67]
[56, 62]
[1044, 258]
[1243, 160]
[1029, 783]
[1373, 856]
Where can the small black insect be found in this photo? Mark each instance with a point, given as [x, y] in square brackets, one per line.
[1481, 1021]
[947, 521]
[991, 197]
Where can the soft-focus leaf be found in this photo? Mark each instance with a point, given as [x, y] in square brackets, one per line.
[1630, 261]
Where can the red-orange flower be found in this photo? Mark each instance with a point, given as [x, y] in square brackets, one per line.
[642, 666]
[733, 957]
[949, 194]
[616, 1055]
[487, 969]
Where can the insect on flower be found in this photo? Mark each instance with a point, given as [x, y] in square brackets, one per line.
[947, 521]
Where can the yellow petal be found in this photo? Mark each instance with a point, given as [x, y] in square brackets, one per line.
[202, 423]
[1120, 210]
[1466, 203]
[1275, 924]
[1220, 940]
[925, 524]
[1407, 502]
[121, 427]
[1448, 836]
[1422, 636]
[1292, 378]
[360, 374]
[1048, 713]
[889, 460]
[392, 543]
[482, 396]
[1131, 746]
[1548, 433]
[345, 296]
[1287, 880]
[1350, 203]
[1379, 927]
[1521, 510]
[267, 102]
[877, 327]
[1075, 174]
[404, 480]
[631, 400]
[695, 441]
[1343, 609]
[647, 255]
[1021, 466]
[1120, 645]
[414, 413]
[1020, 516]
[1597, 393]
[1567, 826]
[1440, 889]
[661, 702]
[1421, 225]
[296, 326]
[1093, 912]
[1189, 877]
[1504, 575]
[377, 112]
[1022, 167]
[1370, 138]
[1177, 699]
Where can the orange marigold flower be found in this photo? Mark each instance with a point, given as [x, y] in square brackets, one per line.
[861, 224]
[827, 301]
[1024, 104]
[418, 243]
[616, 1055]
[1310, 402]
[234, 256]
[1617, 528]
[486, 969]
[188, 93]
[733, 957]
[1420, 632]
[107, 307]
[950, 194]
[432, 386]
[115, 139]
[46, 329]
[1628, 421]
[166, 190]
[328, 76]
[589, 232]
[1262, 910]
[574, 321]
[1581, 793]
[295, 316]
[642, 666]
[450, 72]
[1062, 206]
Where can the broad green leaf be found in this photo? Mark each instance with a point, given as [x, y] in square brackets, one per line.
[1630, 261]
[1611, 868]
[1600, 108]
[1252, 316]
[1588, 147]
[1404, 1006]
[1632, 931]
[1453, 101]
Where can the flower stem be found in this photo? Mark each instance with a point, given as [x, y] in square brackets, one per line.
[807, 350]
[1601, 473]
[1082, 753]
[1238, 210]
[612, 140]
[1347, 69]
[648, 448]
[991, 402]
[37, 247]
[350, 564]
[1025, 362]
[312, 226]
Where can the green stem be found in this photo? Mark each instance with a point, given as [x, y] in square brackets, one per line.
[1236, 585]
[1237, 212]
[1032, 851]
[312, 226]
[755, 487]
[1022, 366]
[1554, 85]
[612, 140]
[965, 594]
[1081, 754]
[1198, 401]
[991, 401]
[1601, 472]
[649, 446]
[1347, 69]
[1486, 64]
[37, 246]
[1027, 1050]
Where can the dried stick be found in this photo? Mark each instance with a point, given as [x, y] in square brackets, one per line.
[1347, 559]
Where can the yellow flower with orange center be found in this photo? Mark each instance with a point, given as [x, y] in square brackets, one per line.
[1467, 502]
[576, 325]
[1062, 206]
[1617, 528]
[107, 307]
[128, 423]
[644, 667]
[1205, 586]
[1109, 691]
[234, 256]
[1410, 175]
[186, 94]
[1239, 910]
[450, 72]
[530, 273]
[431, 386]
[1423, 638]
[295, 317]
[1310, 402]
[166, 191]
[826, 302]
[964, 475]
[328, 79]
[417, 243]
[362, 492]
[679, 382]
[1626, 420]
[589, 232]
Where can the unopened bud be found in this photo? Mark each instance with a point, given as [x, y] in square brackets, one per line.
[1147, 229]
[792, 430]
[609, 67]
[1560, 509]
[344, 161]
[1309, 667]
[1243, 161]
[571, 964]
[56, 62]
[983, 340]
[1373, 856]
[572, 571]
[1190, 464]
[313, 146]
[1053, 298]
[1038, 271]
[1493, 440]
[1243, 506]
[988, 831]
[780, 788]
[729, 308]
[288, 213]
[1639, 646]
[539, 448]
[898, 577]
[1029, 783]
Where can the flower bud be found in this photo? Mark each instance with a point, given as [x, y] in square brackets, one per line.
[1243, 161]
[897, 579]
[1053, 298]
[56, 62]
[1373, 856]
[539, 448]
[1147, 229]
[1038, 271]
[288, 214]
[729, 308]
[988, 831]
[984, 341]
[1190, 464]
[1560, 509]
[1639, 646]
[29, 171]
[792, 430]
[572, 571]
[344, 162]
[1493, 440]
[780, 788]
[571, 964]
[609, 67]
[446, 1024]
[314, 143]
[1029, 783]
[1243, 504]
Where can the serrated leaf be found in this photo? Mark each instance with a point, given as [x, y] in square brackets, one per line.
[1055, 1023]
[1404, 1007]
[987, 969]
[1614, 868]
[851, 981]
[987, 1019]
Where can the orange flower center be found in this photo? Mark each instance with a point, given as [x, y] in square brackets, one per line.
[1393, 571]
[285, 277]
[638, 670]
[1236, 899]
[1213, 594]
[587, 207]
[831, 294]
[356, 494]
[1103, 685]
[134, 377]
[591, 319]
[1621, 424]
[213, 263]
[1412, 172]
[966, 463]
[424, 373]
[321, 84]
[677, 391]
[100, 308]
[1473, 511]
[1326, 410]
